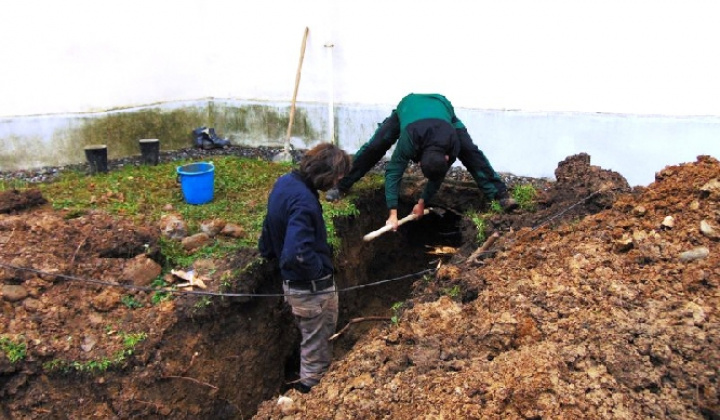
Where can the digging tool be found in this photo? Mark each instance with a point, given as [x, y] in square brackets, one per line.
[285, 155]
[374, 234]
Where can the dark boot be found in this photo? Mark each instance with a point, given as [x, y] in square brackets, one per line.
[304, 389]
[201, 138]
[217, 141]
[507, 203]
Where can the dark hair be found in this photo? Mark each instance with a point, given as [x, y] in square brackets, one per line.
[324, 164]
[434, 165]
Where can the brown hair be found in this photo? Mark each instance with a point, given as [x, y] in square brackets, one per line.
[324, 165]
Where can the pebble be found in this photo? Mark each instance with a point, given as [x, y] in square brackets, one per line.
[694, 254]
[709, 231]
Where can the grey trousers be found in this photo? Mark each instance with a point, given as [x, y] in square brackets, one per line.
[316, 315]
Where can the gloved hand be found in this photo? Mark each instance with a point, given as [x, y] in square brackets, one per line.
[333, 194]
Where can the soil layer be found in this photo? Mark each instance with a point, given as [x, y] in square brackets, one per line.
[601, 303]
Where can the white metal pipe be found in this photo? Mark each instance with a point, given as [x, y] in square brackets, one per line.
[331, 93]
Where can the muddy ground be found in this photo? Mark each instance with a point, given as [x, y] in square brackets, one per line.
[601, 303]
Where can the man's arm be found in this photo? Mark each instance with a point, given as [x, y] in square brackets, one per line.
[393, 175]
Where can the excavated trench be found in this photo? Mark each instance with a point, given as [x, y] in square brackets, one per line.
[201, 357]
[221, 357]
[246, 351]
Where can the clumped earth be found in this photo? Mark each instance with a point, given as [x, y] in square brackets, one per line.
[601, 303]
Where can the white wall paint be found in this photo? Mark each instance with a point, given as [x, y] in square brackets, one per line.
[549, 64]
[638, 57]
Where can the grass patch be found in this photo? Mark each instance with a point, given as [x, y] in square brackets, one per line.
[478, 220]
[525, 196]
[129, 342]
[14, 349]
[241, 189]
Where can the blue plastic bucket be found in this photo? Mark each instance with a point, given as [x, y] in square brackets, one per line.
[197, 181]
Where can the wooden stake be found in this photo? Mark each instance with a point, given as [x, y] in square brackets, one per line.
[297, 85]
[485, 246]
[356, 320]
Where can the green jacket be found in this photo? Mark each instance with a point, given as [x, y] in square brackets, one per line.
[412, 108]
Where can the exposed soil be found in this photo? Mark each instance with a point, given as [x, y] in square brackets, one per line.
[588, 307]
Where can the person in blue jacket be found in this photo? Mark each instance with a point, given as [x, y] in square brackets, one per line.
[426, 130]
[294, 234]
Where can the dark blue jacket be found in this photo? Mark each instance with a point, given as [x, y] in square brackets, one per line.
[294, 230]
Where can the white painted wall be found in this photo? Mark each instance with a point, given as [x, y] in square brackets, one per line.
[635, 58]
[627, 56]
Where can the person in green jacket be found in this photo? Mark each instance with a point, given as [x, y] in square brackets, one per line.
[427, 132]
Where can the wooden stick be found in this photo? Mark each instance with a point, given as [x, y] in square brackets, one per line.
[356, 320]
[485, 246]
[190, 379]
[374, 234]
[297, 84]
[72, 260]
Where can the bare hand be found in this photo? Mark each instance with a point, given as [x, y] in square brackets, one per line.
[419, 209]
[392, 220]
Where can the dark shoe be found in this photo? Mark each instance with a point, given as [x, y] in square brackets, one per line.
[199, 131]
[301, 387]
[201, 138]
[333, 194]
[217, 141]
[508, 204]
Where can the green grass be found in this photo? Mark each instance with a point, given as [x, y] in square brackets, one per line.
[525, 196]
[478, 220]
[396, 308]
[117, 360]
[14, 349]
[130, 302]
[241, 189]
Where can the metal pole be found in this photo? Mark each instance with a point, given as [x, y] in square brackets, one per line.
[331, 90]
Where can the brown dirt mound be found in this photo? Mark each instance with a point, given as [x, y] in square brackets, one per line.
[14, 200]
[601, 317]
[611, 316]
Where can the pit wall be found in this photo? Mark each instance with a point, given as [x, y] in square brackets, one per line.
[522, 143]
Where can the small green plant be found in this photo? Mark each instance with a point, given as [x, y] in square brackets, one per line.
[479, 222]
[342, 208]
[495, 207]
[396, 307]
[158, 297]
[131, 340]
[130, 302]
[54, 365]
[453, 292]
[203, 302]
[226, 282]
[525, 196]
[15, 350]
[129, 343]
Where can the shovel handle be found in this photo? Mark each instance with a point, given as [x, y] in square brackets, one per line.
[374, 234]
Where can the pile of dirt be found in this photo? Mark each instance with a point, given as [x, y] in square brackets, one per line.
[614, 315]
[602, 303]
